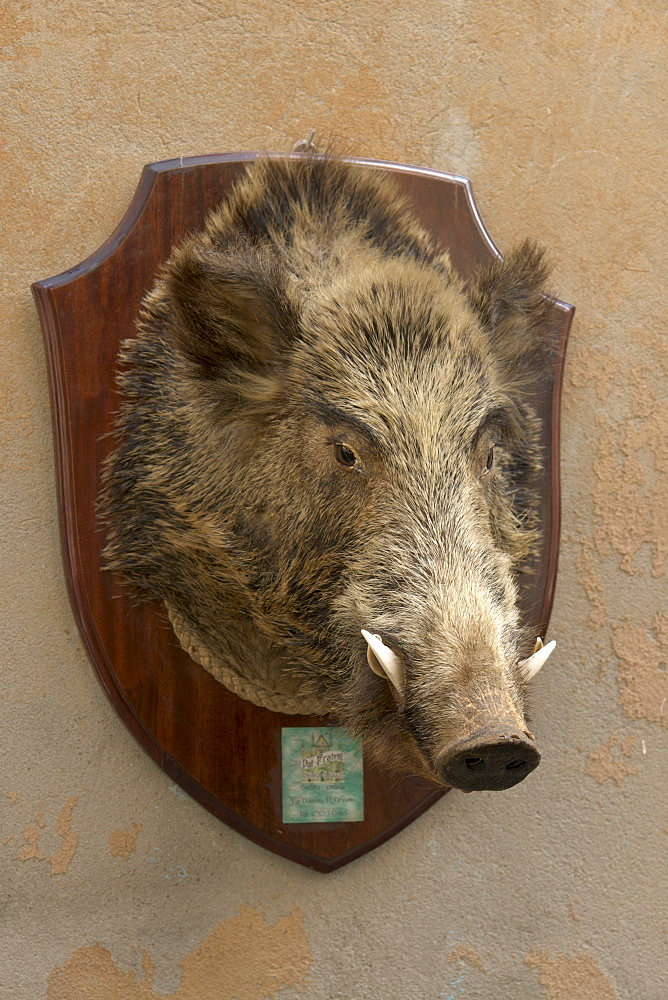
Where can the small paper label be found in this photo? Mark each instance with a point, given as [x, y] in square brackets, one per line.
[323, 777]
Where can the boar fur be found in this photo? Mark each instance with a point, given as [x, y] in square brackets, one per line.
[323, 430]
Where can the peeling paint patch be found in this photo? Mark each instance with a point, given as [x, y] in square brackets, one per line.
[466, 953]
[31, 835]
[91, 974]
[13, 797]
[123, 843]
[642, 677]
[564, 978]
[631, 465]
[621, 511]
[16, 25]
[645, 443]
[592, 583]
[607, 761]
[244, 958]
[598, 366]
[281, 957]
[60, 861]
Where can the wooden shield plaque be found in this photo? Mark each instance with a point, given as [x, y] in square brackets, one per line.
[225, 751]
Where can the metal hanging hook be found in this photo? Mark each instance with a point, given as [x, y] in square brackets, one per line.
[306, 145]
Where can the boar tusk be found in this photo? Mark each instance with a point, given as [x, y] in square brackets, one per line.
[533, 663]
[384, 661]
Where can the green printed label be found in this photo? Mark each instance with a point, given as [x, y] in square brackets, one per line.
[323, 778]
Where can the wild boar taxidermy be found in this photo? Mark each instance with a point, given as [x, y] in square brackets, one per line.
[324, 464]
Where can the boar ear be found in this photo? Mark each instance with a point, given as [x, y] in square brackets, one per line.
[510, 300]
[232, 311]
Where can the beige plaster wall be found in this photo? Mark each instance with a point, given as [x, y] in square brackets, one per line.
[115, 886]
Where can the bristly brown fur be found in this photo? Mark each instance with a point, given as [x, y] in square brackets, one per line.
[312, 314]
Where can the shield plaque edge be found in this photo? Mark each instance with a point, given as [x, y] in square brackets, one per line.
[55, 336]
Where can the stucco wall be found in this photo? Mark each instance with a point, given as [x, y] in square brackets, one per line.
[116, 886]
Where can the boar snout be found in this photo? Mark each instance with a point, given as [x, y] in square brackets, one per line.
[493, 758]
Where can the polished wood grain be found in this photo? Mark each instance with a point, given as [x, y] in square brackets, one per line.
[224, 751]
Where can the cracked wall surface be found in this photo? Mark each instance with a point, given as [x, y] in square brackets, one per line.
[116, 883]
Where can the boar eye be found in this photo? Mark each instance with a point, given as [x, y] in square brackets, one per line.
[345, 456]
[489, 465]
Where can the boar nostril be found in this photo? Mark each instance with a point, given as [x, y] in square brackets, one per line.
[498, 758]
